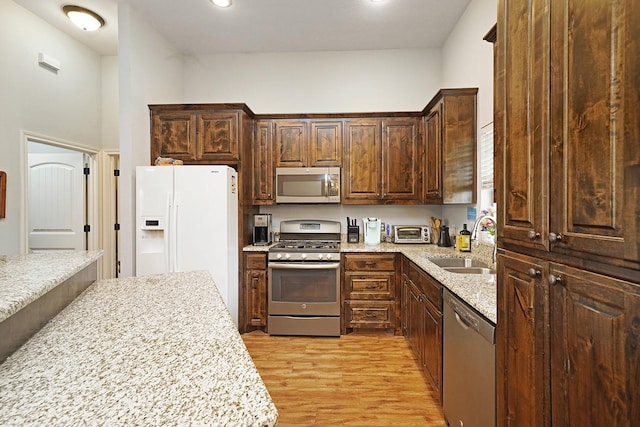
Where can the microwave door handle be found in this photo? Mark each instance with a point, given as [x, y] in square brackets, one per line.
[326, 185]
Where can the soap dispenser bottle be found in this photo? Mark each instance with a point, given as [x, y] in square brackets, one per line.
[463, 241]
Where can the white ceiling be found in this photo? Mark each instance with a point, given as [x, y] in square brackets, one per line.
[198, 27]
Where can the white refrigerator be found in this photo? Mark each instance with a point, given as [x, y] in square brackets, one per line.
[186, 220]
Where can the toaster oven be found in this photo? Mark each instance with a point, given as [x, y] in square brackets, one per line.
[411, 234]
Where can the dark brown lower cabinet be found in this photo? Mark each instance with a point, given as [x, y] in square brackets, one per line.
[521, 348]
[255, 291]
[422, 321]
[567, 347]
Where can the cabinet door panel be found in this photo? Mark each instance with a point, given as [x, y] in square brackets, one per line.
[263, 179]
[595, 159]
[325, 146]
[291, 141]
[401, 159]
[521, 143]
[363, 154]
[256, 281]
[416, 319]
[521, 357]
[217, 136]
[174, 136]
[595, 321]
[432, 346]
[433, 179]
[459, 158]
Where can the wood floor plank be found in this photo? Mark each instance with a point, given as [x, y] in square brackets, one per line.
[360, 379]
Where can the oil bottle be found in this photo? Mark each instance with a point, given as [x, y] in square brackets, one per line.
[463, 241]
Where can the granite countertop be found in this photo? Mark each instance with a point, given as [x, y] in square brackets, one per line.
[151, 350]
[477, 290]
[25, 278]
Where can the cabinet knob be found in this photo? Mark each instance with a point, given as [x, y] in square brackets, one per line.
[534, 273]
[554, 238]
[554, 280]
[533, 235]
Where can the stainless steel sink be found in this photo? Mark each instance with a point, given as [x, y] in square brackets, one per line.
[463, 265]
[458, 262]
[470, 270]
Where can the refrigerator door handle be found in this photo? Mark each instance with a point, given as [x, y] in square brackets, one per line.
[168, 230]
[176, 267]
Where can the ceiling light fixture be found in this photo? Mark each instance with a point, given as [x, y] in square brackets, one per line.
[84, 19]
[221, 3]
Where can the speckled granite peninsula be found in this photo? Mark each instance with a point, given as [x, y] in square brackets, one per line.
[25, 278]
[153, 350]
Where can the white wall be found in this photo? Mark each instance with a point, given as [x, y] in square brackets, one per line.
[316, 82]
[110, 101]
[150, 73]
[467, 61]
[63, 105]
[322, 82]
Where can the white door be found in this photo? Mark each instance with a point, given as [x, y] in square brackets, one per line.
[56, 201]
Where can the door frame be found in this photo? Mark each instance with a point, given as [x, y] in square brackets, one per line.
[108, 160]
[92, 185]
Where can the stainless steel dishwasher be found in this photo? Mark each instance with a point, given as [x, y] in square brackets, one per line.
[469, 372]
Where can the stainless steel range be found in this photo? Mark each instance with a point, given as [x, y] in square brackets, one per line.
[304, 279]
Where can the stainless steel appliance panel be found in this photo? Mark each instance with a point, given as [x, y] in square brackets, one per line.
[304, 288]
[321, 326]
[468, 366]
[308, 185]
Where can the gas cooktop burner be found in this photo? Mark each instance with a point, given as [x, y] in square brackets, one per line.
[306, 246]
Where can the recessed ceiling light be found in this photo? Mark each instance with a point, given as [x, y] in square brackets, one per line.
[221, 3]
[84, 19]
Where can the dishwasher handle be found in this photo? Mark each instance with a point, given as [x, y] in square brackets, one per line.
[468, 319]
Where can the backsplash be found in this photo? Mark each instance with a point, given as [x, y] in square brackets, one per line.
[390, 214]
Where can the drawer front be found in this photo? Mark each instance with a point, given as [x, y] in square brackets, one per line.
[431, 287]
[367, 262]
[370, 314]
[255, 262]
[375, 286]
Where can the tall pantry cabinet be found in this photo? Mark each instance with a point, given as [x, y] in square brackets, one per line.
[567, 95]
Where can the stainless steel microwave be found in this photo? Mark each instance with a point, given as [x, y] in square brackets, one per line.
[308, 185]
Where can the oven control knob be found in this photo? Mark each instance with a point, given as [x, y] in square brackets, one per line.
[303, 256]
[279, 256]
[329, 256]
[287, 256]
[319, 256]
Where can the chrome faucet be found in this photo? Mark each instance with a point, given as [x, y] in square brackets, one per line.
[474, 232]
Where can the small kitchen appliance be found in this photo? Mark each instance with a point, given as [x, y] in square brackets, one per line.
[308, 185]
[411, 234]
[262, 234]
[444, 239]
[371, 230]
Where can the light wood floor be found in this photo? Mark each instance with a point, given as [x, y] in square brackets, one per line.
[358, 379]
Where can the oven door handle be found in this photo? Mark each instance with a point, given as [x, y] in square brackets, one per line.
[305, 265]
